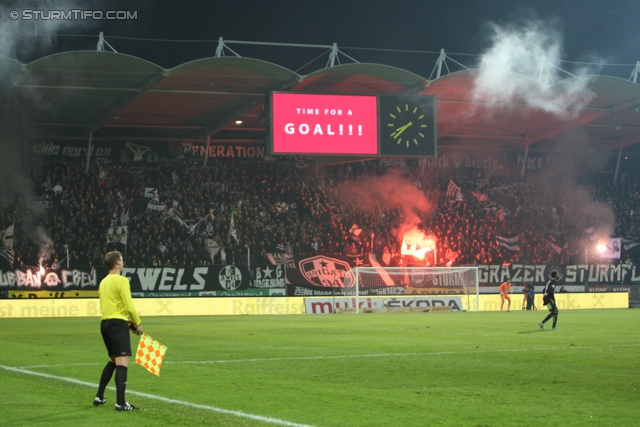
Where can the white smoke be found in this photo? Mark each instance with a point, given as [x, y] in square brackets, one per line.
[34, 33]
[522, 64]
[45, 243]
[25, 40]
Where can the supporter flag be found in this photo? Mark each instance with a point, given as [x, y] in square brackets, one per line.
[454, 193]
[628, 244]
[175, 212]
[591, 233]
[212, 247]
[281, 207]
[124, 217]
[511, 243]
[408, 247]
[491, 171]
[6, 258]
[558, 242]
[354, 232]
[6, 236]
[481, 197]
[117, 234]
[152, 193]
[150, 354]
[232, 229]
[612, 247]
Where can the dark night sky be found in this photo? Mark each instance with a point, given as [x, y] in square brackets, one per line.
[591, 28]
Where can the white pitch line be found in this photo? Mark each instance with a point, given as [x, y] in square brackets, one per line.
[352, 356]
[164, 399]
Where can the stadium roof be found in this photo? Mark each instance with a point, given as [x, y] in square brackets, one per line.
[117, 97]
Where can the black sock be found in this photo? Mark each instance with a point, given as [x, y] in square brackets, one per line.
[121, 383]
[107, 373]
[547, 318]
[555, 320]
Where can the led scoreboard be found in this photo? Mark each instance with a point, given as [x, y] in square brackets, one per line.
[357, 125]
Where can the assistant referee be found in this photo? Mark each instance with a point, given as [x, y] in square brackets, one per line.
[117, 313]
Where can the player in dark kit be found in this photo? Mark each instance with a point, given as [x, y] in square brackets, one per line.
[549, 299]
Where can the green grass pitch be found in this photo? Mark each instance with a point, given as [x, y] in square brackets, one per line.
[414, 369]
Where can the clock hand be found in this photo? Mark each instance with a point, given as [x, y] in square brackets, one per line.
[402, 129]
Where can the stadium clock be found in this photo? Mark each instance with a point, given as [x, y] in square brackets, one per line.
[407, 125]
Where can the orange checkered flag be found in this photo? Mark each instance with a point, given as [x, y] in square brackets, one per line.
[150, 354]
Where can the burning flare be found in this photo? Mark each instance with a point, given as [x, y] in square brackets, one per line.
[417, 244]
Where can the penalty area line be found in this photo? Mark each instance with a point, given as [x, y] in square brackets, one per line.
[239, 414]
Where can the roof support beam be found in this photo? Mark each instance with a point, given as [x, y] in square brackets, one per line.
[61, 87]
[624, 142]
[205, 92]
[108, 112]
[615, 174]
[217, 124]
[542, 134]
[461, 122]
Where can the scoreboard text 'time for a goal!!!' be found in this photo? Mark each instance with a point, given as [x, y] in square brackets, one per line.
[352, 125]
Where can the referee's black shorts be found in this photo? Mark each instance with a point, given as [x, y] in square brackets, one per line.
[115, 333]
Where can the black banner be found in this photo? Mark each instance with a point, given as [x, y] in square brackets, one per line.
[539, 274]
[221, 279]
[321, 272]
[35, 278]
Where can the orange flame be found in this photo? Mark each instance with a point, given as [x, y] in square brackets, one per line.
[417, 244]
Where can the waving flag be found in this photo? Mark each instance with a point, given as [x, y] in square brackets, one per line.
[6, 258]
[454, 193]
[511, 243]
[481, 196]
[557, 242]
[590, 233]
[6, 236]
[150, 354]
[628, 244]
[232, 229]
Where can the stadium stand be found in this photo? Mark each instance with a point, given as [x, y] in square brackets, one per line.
[175, 210]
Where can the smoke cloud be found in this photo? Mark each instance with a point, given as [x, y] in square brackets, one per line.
[24, 40]
[24, 37]
[391, 191]
[563, 183]
[522, 64]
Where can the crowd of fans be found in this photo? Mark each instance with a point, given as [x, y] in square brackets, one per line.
[177, 212]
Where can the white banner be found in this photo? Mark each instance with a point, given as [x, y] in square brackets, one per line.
[342, 305]
[422, 304]
[153, 207]
[612, 247]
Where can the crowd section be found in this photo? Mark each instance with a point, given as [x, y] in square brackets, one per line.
[277, 206]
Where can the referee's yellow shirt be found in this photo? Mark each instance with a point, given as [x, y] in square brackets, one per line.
[115, 299]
